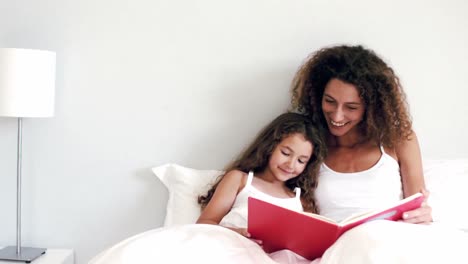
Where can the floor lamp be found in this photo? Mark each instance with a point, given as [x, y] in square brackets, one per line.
[27, 89]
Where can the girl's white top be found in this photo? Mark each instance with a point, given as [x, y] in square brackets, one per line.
[340, 195]
[237, 217]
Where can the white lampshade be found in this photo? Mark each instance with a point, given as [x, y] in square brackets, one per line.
[27, 83]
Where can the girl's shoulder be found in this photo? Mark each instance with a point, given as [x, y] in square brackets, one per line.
[235, 173]
[237, 176]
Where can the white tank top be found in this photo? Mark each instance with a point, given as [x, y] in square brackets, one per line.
[237, 217]
[340, 195]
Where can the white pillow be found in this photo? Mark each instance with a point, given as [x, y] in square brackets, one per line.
[445, 179]
[184, 186]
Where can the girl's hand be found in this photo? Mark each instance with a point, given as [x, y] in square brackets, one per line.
[422, 215]
[243, 232]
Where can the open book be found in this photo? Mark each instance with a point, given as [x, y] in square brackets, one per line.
[307, 234]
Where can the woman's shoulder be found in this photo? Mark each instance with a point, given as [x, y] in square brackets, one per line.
[407, 147]
[403, 149]
[390, 151]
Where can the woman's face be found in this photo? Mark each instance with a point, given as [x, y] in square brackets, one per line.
[342, 107]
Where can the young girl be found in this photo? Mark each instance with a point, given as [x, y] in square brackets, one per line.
[280, 166]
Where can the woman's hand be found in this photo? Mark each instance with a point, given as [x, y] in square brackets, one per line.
[243, 232]
[422, 215]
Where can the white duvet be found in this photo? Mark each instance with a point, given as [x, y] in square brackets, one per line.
[375, 242]
[193, 243]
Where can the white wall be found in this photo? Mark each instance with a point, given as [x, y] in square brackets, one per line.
[141, 83]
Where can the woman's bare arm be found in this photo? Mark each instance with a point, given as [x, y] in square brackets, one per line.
[411, 170]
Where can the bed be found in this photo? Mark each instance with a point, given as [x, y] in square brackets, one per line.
[181, 241]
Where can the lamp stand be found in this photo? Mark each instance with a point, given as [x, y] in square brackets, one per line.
[18, 253]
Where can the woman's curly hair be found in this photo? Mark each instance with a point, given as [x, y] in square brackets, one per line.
[257, 156]
[386, 119]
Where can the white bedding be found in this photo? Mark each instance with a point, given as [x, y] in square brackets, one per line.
[185, 244]
[390, 242]
[375, 242]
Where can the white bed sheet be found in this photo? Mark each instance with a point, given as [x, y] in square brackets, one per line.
[194, 243]
[375, 242]
[387, 242]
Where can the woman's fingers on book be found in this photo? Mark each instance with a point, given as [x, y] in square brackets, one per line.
[426, 193]
[422, 215]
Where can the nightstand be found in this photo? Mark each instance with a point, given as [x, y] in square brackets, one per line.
[52, 256]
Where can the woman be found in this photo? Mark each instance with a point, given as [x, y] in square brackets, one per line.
[373, 154]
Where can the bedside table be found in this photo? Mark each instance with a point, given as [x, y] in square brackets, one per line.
[51, 256]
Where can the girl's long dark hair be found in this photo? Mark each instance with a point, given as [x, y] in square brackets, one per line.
[257, 155]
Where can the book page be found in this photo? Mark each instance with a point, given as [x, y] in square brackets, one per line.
[320, 217]
[350, 219]
[386, 215]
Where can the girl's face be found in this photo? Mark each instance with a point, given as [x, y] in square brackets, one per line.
[342, 107]
[290, 157]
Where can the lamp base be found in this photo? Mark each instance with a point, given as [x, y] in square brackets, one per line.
[27, 254]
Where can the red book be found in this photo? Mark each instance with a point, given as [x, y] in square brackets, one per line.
[307, 234]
